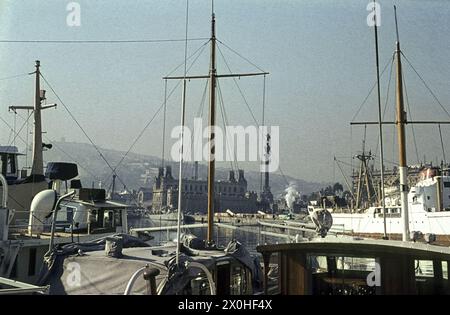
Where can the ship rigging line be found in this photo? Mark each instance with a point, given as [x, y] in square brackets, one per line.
[71, 157]
[386, 101]
[263, 122]
[14, 76]
[17, 134]
[199, 114]
[11, 133]
[240, 90]
[58, 147]
[84, 132]
[426, 85]
[246, 59]
[11, 129]
[199, 51]
[103, 41]
[370, 92]
[164, 126]
[242, 94]
[238, 87]
[183, 116]
[225, 123]
[345, 178]
[442, 144]
[284, 176]
[412, 125]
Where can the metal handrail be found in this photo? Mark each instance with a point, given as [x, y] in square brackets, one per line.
[212, 285]
[5, 191]
[133, 279]
[18, 287]
[139, 272]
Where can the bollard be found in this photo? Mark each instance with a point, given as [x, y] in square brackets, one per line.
[150, 276]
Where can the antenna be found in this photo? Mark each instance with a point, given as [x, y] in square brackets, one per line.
[380, 126]
[212, 7]
[183, 116]
[396, 24]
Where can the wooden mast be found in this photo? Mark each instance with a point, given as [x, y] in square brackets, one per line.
[400, 122]
[212, 76]
[38, 164]
[212, 122]
[37, 168]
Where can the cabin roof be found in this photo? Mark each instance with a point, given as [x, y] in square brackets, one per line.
[9, 149]
[361, 248]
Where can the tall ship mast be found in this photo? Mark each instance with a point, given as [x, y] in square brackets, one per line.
[23, 188]
[401, 120]
[212, 123]
[212, 76]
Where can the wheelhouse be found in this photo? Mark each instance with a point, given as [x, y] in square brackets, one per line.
[9, 166]
[355, 267]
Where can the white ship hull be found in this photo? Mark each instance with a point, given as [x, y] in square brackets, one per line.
[371, 223]
[428, 209]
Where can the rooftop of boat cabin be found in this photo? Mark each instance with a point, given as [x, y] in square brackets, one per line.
[120, 269]
[84, 197]
[9, 150]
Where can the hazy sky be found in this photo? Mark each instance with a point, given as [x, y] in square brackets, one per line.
[320, 55]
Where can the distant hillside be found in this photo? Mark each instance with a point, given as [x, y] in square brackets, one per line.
[132, 171]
